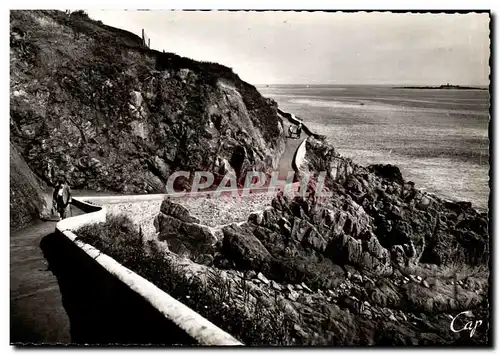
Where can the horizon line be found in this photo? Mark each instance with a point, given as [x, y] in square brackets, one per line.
[373, 84]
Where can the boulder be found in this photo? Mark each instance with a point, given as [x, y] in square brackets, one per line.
[388, 172]
[241, 246]
[177, 211]
[293, 295]
[182, 233]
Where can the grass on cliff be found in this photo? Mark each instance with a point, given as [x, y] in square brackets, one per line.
[214, 298]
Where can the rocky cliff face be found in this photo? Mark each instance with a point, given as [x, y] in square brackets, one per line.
[90, 101]
[26, 194]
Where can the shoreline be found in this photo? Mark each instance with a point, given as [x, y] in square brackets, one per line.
[442, 87]
[479, 204]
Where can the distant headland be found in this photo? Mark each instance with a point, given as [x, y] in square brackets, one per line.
[442, 87]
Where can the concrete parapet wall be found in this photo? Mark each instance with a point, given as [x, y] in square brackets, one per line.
[108, 303]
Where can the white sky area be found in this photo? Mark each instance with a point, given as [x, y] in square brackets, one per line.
[321, 47]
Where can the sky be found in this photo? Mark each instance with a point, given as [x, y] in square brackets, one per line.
[322, 47]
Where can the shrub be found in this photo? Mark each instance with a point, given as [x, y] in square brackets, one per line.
[80, 13]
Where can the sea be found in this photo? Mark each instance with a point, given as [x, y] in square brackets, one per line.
[437, 137]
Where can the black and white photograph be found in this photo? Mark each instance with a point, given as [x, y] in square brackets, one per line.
[272, 178]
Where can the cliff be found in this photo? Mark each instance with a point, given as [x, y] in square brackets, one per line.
[91, 101]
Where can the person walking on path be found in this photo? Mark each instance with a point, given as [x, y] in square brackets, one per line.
[61, 198]
[299, 129]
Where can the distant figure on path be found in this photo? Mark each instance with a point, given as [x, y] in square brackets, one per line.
[294, 134]
[61, 197]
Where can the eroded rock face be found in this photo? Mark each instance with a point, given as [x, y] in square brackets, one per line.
[26, 195]
[114, 116]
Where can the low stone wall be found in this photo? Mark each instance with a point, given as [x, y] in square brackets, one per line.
[299, 156]
[109, 304]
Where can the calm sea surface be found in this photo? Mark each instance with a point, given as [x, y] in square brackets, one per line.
[438, 138]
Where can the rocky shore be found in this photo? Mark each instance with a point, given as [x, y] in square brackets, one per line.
[378, 262]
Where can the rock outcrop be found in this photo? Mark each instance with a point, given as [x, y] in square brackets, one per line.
[183, 233]
[90, 101]
[372, 220]
[27, 201]
[377, 262]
